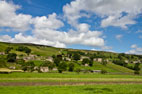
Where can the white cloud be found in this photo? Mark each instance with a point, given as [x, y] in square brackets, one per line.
[115, 21]
[118, 37]
[135, 50]
[9, 18]
[51, 22]
[45, 29]
[114, 12]
[5, 38]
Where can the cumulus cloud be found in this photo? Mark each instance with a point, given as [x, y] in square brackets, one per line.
[9, 18]
[135, 50]
[45, 29]
[113, 12]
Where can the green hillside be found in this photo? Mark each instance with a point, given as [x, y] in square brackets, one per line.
[44, 52]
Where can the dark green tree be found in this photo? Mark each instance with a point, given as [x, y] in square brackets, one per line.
[62, 67]
[56, 61]
[71, 67]
[76, 56]
[137, 67]
[90, 63]
[11, 57]
[27, 50]
[85, 61]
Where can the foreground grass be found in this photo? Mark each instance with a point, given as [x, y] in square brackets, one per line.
[65, 75]
[89, 89]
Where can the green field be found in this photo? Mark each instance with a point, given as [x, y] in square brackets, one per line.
[69, 83]
[89, 89]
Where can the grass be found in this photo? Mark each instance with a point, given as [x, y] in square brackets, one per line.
[65, 75]
[87, 89]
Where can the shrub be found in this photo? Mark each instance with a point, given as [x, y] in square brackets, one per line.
[137, 72]
[103, 71]
[78, 70]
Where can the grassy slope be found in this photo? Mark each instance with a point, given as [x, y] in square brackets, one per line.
[38, 50]
[110, 67]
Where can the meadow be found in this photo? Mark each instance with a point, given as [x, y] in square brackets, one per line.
[87, 89]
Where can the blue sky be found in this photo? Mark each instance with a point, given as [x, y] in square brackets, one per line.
[106, 25]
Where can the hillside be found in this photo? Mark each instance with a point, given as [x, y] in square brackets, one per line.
[115, 63]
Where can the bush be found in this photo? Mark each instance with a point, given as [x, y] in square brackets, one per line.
[25, 49]
[137, 72]
[78, 70]
[103, 71]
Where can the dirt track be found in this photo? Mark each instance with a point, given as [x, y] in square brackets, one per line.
[60, 83]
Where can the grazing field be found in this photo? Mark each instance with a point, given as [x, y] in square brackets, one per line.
[69, 83]
[87, 89]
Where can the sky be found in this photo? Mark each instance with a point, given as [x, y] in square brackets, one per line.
[104, 25]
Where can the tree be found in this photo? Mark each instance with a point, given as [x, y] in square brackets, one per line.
[20, 48]
[71, 67]
[27, 50]
[11, 57]
[85, 61]
[28, 66]
[62, 67]
[137, 67]
[104, 63]
[56, 61]
[76, 56]
[8, 49]
[48, 64]
[90, 63]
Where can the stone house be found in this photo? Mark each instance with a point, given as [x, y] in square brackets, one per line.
[50, 59]
[98, 59]
[2, 53]
[44, 69]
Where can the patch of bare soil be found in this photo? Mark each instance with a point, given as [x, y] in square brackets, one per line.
[61, 83]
